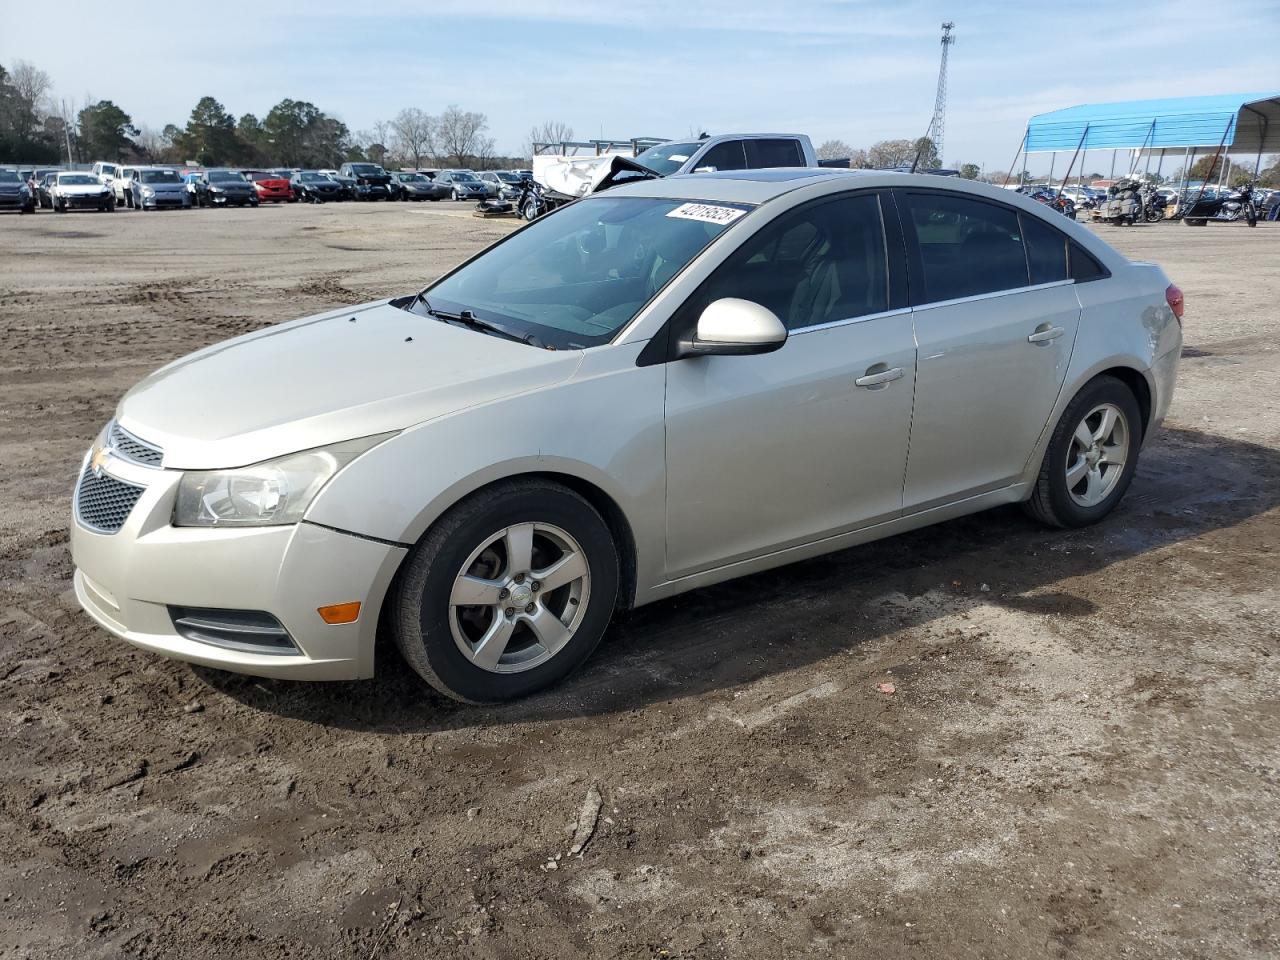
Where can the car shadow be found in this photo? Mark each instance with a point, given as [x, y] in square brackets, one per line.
[1189, 483]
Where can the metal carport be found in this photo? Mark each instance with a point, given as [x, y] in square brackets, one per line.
[1242, 122]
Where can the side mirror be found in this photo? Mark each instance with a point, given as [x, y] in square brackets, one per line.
[705, 169]
[733, 327]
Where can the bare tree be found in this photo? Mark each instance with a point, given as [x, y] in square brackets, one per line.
[413, 132]
[891, 153]
[859, 160]
[32, 85]
[834, 150]
[459, 134]
[550, 131]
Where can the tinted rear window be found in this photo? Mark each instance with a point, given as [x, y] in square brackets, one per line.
[966, 247]
[1083, 265]
[1046, 250]
[774, 153]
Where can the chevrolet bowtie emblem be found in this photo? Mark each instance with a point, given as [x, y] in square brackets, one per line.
[98, 459]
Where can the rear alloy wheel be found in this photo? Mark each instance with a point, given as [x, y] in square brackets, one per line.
[507, 593]
[1091, 458]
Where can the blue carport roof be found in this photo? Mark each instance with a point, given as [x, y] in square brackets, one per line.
[1249, 121]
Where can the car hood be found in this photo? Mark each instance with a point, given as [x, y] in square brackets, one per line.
[231, 185]
[79, 189]
[350, 373]
[11, 188]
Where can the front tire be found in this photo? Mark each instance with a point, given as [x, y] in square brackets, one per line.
[1091, 458]
[508, 592]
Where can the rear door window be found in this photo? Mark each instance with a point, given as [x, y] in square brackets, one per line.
[963, 247]
[781, 152]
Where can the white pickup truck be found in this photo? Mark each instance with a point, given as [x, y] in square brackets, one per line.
[577, 176]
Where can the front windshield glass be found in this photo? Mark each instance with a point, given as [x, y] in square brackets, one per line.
[508, 178]
[8, 176]
[77, 179]
[576, 277]
[365, 169]
[413, 178]
[225, 176]
[314, 178]
[667, 158]
[160, 176]
[465, 177]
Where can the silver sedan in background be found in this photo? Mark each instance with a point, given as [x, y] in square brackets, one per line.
[658, 387]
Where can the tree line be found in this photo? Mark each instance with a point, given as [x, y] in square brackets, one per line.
[35, 128]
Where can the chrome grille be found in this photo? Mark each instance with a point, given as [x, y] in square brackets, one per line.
[131, 448]
[103, 503]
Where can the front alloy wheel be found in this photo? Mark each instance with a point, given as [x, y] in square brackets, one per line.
[507, 593]
[519, 598]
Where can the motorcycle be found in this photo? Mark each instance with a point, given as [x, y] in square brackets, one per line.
[1223, 209]
[1153, 205]
[1123, 206]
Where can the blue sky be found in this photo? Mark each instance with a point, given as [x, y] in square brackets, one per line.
[846, 69]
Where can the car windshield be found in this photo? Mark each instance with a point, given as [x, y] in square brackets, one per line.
[464, 177]
[9, 176]
[365, 169]
[77, 179]
[413, 178]
[160, 176]
[314, 178]
[225, 176]
[508, 178]
[574, 278]
[260, 175]
[667, 158]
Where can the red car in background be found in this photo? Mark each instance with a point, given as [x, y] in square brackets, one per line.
[270, 186]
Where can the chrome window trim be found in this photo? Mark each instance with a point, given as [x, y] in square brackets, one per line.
[849, 321]
[919, 308]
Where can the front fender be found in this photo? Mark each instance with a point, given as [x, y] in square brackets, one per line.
[604, 427]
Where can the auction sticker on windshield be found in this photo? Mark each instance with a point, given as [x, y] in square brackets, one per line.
[706, 212]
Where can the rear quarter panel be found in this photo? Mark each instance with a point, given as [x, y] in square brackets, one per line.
[1125, 322]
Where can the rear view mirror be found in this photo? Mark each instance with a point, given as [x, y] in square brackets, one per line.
[734, 327]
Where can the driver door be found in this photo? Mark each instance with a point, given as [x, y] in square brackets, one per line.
[775, 450]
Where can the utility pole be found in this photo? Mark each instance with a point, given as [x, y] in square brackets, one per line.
[938, 125]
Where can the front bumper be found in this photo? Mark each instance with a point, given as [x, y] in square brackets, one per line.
[166, 200]
[84, 202]
[127, 581]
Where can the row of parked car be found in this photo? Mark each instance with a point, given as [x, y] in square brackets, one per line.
[109, 185]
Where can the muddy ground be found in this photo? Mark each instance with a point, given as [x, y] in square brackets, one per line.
[1081, 760]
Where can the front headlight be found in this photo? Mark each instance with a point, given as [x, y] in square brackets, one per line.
[148, 192]
[215, 189]
[265, 494]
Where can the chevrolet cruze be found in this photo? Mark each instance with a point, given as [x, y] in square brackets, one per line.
[658, 387]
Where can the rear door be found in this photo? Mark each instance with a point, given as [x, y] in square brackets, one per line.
[995, 320]
[770, 451]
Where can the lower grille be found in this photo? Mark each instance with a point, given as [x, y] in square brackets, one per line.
[250, 631]
[103, 503]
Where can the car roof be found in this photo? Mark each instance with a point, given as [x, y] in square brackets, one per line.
[761, 186]
[736, 186]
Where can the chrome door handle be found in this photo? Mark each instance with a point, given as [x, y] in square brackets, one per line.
[884, 376]
[1049, 333]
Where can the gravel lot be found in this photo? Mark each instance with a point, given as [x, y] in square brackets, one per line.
[1081, 760]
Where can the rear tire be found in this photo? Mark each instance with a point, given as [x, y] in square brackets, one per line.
[1059, 502]
[440, 639]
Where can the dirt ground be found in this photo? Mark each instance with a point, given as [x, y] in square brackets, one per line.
[1082, 758]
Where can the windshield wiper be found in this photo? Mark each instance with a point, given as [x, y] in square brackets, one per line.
[467, 318]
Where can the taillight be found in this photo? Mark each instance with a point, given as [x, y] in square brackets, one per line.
[1173, 297]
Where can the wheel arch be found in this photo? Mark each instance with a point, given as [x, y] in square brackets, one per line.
[606, 504]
